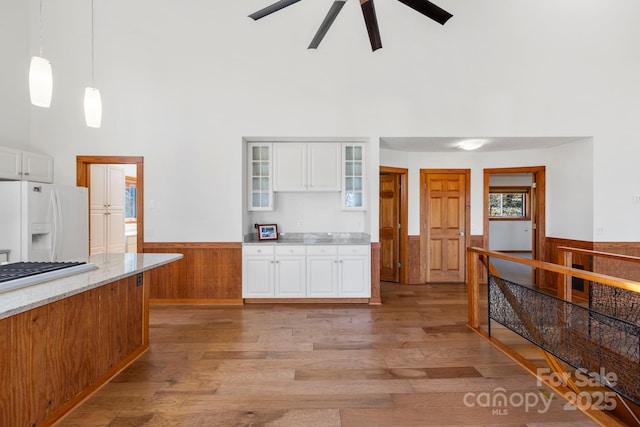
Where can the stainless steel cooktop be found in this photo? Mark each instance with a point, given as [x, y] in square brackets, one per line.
[20, 274]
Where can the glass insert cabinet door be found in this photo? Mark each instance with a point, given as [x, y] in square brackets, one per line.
[353, 178]
[260, 181]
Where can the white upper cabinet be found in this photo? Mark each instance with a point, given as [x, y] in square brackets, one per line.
[353, 181]
[289, 167]
[10, 163]
[37, 167]
[23, 165]
[260, 191]
[324, 166]
[314, 166]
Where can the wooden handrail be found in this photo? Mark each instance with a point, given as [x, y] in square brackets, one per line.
[629, 285]
[609, 255]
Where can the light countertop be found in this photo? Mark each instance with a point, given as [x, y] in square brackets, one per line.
[110, 267]
[311, 239]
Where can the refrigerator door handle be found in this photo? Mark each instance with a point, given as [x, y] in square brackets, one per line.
[57, 214]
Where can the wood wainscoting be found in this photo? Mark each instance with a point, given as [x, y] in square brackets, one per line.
[611, 267]
[413, 277]
[209, 273]
[375, 274]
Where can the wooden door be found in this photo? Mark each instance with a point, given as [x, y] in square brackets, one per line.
[443, 230]
[389, 227]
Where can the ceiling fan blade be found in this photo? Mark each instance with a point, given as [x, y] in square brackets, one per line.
[429, 10]
[335, 9]
[281, 4]
[370, 19]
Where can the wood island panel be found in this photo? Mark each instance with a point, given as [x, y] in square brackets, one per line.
[53, 356]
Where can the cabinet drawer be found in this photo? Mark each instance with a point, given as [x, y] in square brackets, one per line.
[354, 250]
[258, 250]
[322, 250]
[290, 250]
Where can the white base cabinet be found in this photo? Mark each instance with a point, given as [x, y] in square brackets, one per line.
[322, 271]
[342, 271]
[257, 272]
[269, 271]
[290, 272]
[314, 271]
[354, 271]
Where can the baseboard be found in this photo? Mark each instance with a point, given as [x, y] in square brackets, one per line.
[196, 301]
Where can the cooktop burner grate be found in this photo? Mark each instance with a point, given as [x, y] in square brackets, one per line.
[21, 274]
[19, 270]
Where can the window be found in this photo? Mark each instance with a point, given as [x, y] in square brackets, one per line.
[130, 205]
[509, 203]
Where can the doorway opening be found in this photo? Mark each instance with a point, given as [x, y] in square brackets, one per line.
[444, 224]
[394, 227]
[525, 226]
[116, 194]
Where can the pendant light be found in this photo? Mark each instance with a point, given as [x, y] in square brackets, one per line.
[92, 100]
[40, 76]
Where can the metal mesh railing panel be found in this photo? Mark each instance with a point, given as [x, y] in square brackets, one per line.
[584, 338]
[616, 302]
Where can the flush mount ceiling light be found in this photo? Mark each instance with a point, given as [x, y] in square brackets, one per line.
[424, 7]
[470, 144]
[40, 76]
[92, 99]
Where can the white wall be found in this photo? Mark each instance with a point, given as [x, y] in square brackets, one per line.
[14, 74]
[570, 180]
[182, 82]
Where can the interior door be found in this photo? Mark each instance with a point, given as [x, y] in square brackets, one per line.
[443, 230]
[389, 227]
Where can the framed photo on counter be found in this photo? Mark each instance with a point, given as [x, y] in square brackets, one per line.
[267, 232]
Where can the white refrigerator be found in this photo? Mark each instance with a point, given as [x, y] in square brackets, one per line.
[44, 222]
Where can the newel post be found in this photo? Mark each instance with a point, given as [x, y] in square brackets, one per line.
[565, 282]
[473, 288]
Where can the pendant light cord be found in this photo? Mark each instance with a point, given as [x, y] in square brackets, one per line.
[41, 28]
[92, 44]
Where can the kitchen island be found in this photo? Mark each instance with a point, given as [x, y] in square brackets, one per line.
[60, 340]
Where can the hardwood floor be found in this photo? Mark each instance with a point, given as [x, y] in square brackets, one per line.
[409, 362]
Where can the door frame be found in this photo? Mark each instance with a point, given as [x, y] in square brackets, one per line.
[467, 214]
[403, 173]
[538, 214]
[83, 178]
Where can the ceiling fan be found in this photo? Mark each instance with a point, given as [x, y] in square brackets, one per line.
[425, 7]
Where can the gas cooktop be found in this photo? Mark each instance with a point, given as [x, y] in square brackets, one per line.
[20, 274]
